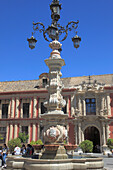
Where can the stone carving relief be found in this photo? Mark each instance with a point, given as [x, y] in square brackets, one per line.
[90, 90]
[55, 134]
[95, 86]
[55, 100]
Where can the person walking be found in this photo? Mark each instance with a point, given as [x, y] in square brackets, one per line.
[5, 153]
[1, 157]
[23, 149]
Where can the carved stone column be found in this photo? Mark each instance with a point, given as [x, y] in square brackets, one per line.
[84, 107]
[82, 135]
[12, 107]
[11, 131]
[55, 101]
[108, 104]
[107, 131]
[102, 103]
[104, 136]
[34, 132]
[17, 108]
[79, 104]
[7, 134]
[15, 131]
[21, 108]
[34, 107]
[79, 132]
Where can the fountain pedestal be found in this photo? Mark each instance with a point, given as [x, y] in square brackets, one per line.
[54, 152]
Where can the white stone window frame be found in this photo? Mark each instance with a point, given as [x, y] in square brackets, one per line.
[25, 100]
[41, 100]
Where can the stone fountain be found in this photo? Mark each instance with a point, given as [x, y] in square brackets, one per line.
[54, 156]
[54, 121]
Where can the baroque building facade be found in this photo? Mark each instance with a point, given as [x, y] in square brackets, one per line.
[89, 105]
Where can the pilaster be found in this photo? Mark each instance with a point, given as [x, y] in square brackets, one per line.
[104, 136]
[15, 131]
[17, 108]
[12, 107]
[7, 134]
[79, 132]
[79, 104]
[108, 104]
[84, 107]
[35, 107]
[33, 132]
[11, 131]
[76, 135]
[36, 133]
[31, 107]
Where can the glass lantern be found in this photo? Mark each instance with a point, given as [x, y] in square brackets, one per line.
[76, 41]
[32, 42]
[55, 10]
[52, 32]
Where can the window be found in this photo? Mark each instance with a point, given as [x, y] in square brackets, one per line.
[41, 132]
[25, 110]
[44, 81]
[43, 109]
[5, 110]
[90, 107]
[25, 129]
[64, 109]
[2, 134]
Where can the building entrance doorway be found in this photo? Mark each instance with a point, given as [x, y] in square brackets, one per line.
[92, 133]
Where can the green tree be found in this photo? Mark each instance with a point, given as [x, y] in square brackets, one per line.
[110, 143]
[23, 137]
[38, 142]
[13, 142]
[32, 143]
[1, 137]
[86, 146]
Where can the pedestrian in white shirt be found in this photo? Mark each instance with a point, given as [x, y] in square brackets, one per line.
[17, 150]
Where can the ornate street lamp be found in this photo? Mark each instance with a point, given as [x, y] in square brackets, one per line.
[55, 30]
[76, 41]
[55, 10]
[32, 42]
[54, 119]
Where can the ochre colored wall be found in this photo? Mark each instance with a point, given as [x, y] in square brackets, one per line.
[71, 134]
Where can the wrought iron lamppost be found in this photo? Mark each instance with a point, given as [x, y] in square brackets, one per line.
[54, 120]
[55, 30]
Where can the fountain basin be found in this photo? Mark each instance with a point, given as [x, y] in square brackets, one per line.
[15, 162]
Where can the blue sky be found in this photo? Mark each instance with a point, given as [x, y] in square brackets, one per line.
[94, 57]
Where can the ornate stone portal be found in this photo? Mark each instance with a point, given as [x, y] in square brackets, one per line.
[54, 121]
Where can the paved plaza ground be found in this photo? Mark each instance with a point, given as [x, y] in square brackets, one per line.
[108, 162]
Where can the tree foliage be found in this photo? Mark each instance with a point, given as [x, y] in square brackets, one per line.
[1, 137]
[13, 142]
[23, 137]
[110, 143]
[38, 142]
[86, 146]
